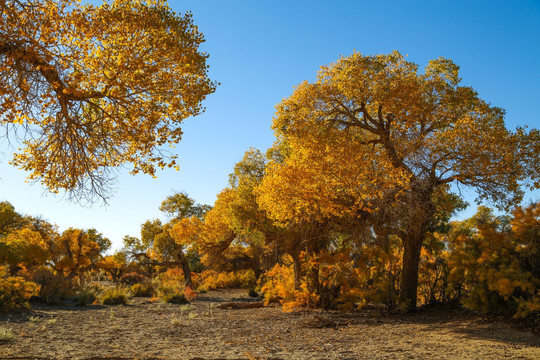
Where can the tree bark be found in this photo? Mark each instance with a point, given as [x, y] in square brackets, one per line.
[297, 268]
[412, 246]
[188, 282]
[421, 213]
[313, 283]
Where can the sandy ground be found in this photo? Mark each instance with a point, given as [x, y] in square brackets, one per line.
[149, 330]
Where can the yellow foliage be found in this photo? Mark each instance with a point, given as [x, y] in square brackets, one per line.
[15, 291]
[375, 140]
[186, 231]
[211, 280]
[102, 85]
[277, 285]
[25, 248]
[497, 266]
[73, 252]
[111, 265]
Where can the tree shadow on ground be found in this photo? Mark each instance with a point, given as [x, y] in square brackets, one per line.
[445, 318]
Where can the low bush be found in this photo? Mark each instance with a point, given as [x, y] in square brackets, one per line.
[133, 278]
[211, 280]
[278, 284]
[53, 287]
[172, 295]
[142, 290]
[115, 296]
[15, 291]
[5, 334]
[170, 289]
[86, 295]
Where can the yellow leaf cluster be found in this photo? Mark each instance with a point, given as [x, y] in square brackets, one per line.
[101, 86]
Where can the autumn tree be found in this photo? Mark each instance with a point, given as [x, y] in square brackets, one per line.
[161, 245]
[257, 238]
[180, 205]
[373, 138]
[186, 212]
[25, 241]
[114, 265]
[97, 237]
[9, 219]
[23, 248]
[134, 253]
[214, 235]
[74, 252]
[494, 260]
[96, 87]
[236, 233]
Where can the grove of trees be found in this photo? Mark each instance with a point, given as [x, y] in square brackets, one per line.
[351, 206]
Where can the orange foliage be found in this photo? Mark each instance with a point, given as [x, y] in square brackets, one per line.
[211, 280]
[15, 291]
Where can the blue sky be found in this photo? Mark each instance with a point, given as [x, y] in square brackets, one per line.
[259, 50]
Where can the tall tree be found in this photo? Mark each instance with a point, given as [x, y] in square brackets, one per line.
[161, 243]
[96, 87]
[180, 205]
[74, 252]
[373, 135]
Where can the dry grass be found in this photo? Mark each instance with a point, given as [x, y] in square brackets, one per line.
[146, 329]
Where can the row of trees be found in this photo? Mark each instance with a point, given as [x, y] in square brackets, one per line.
[370, 152]
[373, 149]
[36, 255]
[490, 263]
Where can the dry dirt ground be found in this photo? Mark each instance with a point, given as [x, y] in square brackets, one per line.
[150, 330]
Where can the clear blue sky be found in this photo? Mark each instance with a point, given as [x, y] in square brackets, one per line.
[259, 50]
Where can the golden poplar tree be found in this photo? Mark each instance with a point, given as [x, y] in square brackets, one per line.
[374, 135]
[96, 87]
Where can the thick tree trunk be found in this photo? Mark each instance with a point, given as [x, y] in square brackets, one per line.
[313, 283]
[409, 277]
[188, 282]
[298, 274]
[420, 215]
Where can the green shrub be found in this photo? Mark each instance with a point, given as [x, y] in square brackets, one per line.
[142, 290]
[5, 334]
[172, 294]
[115, 296]
[86, 295]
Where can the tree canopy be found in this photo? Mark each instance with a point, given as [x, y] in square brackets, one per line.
[375, 139]
[97, 87]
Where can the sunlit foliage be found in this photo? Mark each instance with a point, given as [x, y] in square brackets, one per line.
[373, 140]
[495, 261]
[96, 87]
[15, 291]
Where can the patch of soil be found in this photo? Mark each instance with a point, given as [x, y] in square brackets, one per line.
[148, 330]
